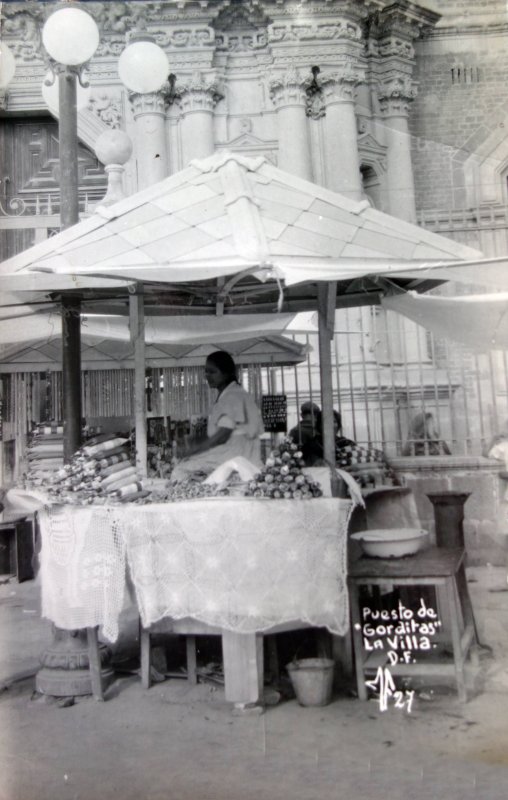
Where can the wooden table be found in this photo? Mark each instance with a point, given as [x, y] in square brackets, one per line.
[236, 567]
[435, 566]
[242, 653]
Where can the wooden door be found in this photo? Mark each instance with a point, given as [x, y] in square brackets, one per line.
[29, 182]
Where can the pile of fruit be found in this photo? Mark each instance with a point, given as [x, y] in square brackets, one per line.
[282, 476]
[100, 472]
[187, 490]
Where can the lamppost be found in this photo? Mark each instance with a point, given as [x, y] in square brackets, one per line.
[70, 37]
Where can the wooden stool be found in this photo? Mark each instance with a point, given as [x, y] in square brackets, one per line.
[94, 658]
[436, 566]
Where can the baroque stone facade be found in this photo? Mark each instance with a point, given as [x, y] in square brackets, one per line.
[302, 74]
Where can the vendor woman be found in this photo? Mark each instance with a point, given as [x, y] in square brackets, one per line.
[234, 422]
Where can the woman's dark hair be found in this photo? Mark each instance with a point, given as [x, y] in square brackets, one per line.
[338, 419]
[224, 362]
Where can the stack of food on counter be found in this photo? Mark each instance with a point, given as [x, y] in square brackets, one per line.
[44, 452]
[101, 471]
[194, 488]
[367, 465]
[282, 477]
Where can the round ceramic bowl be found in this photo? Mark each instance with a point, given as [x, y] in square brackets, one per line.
[391, 542]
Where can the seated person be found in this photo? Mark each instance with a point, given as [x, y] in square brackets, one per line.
[423, 438]
[307, 434]
[234, 423]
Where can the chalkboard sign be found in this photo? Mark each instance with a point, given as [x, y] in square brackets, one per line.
[274, 410]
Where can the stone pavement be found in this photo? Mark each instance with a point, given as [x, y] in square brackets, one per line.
[181, 742]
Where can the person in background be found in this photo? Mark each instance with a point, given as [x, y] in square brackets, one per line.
[234, 423]
[340, 440]
[307, 434]
[500, 439]
[423, 438]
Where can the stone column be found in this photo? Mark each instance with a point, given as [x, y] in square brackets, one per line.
[341, 136]
[288, 93]
[395, 95]
[198, 96]
[150, 137]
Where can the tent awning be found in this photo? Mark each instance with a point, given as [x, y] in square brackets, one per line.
[234, 230]
[478, 321]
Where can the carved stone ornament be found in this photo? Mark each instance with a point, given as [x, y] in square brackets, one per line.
[185, 37]
[312, 31]
[120, 17]
[26, 27]
[151, 103]
[107, 108]
[288, 88]
[372, 153]
[199, 92]
[241, 41]
[315, 106]
[247, 15]
[395, 46]
[339, 84]
[396, 94]
[241, 28]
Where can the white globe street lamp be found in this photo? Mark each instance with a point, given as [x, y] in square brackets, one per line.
[143, 66]
[70, 37]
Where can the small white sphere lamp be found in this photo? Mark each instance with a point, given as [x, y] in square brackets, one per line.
[113, 148]
[70, 36]
[143, 67]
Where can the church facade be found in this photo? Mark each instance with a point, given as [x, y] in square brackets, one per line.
[399, 102]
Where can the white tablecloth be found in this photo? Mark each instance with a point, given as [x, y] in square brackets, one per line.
[82, 567]
[240, 564]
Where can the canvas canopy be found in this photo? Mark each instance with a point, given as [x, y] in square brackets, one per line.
[228, 235]
[478, 321]
[36, 344]
[232, 234]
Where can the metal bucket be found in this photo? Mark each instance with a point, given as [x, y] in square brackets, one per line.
[312, 680]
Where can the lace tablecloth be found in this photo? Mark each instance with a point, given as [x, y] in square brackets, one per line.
[82, 567]
[240, 564]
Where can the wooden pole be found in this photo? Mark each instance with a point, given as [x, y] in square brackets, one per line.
[137, 330]
[71, 375]
[326, 293]
[69, 215]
